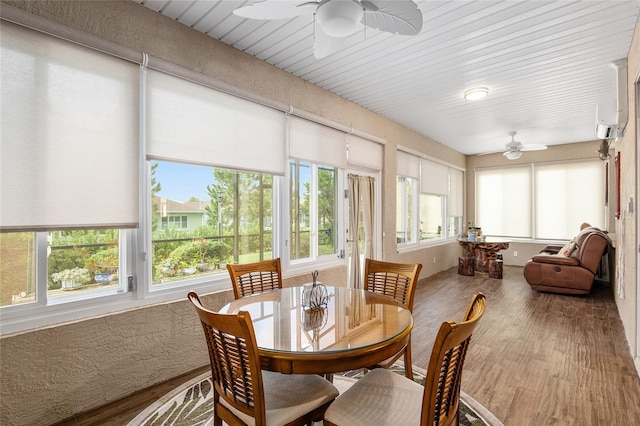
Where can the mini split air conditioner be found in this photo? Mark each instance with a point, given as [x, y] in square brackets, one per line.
[612, 115]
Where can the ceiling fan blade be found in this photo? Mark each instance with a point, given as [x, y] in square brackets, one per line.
[325, 45]
[276, 9]
[533, 147]
[396, 17]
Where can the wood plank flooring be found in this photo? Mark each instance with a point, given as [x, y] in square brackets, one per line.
[535, 358]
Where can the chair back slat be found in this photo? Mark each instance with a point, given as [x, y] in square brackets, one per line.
[397, 280]
[444, 375]
[250, 278]
[235, 367]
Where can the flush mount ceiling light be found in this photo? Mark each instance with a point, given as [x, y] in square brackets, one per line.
[476, 93]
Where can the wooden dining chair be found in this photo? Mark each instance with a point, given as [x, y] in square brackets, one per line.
[250, 278]
[383, 397]
[244, 394]
[397, 280]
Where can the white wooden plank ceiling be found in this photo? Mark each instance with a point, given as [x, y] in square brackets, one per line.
[546, 64]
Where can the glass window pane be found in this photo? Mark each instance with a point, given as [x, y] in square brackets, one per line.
[404, 210]
[431, 218]
[17, 268]
[327, 209]
[205, 217]
[82, 261]
[299, 196]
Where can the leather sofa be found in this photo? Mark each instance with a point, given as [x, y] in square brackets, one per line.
[570, 269]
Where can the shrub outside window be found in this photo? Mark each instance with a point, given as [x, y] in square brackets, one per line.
[221, 216]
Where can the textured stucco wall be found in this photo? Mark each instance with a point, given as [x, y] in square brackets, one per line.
[626, 227]
[71, 368]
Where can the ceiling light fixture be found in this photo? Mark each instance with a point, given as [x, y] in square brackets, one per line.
[513, 155]
[339, 18]
[476, 93]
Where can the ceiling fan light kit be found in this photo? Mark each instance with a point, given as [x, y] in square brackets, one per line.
[476, 93]
[514, 148]
[513, 155]
[339, 18]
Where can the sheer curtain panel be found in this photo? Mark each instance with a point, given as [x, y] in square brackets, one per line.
[69, 138]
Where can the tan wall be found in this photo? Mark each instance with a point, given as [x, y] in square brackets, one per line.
[50, 374]
[626, 227]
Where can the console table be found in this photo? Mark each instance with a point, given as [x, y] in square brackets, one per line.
[484, 252]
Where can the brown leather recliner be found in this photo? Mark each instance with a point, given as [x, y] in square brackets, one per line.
[573, 274]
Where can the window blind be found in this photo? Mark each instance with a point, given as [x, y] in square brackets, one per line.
[503, 201]
[434, 178]
[316, 143]
[189, 122]
[407, 165]
[69, 151]
[363, 152]
[566, 195]
[456, 193]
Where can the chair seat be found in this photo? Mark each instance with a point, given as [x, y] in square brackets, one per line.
[380, 398]
[289, 396]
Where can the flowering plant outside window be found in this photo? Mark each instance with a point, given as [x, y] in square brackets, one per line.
[79, 275]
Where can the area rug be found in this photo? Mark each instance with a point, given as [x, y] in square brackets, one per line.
[191, 404]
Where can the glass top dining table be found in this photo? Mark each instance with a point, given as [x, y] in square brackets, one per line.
[356, 329]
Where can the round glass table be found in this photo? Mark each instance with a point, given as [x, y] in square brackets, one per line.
[356, 329]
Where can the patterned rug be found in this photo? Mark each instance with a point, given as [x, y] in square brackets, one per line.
[191, 404]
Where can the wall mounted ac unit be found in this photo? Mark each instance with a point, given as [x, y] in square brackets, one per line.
[612, 115]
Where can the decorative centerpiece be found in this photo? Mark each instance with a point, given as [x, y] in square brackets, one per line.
[314, 294]
[314, 319]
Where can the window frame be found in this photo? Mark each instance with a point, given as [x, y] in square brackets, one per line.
[417, 192]
[314, 260]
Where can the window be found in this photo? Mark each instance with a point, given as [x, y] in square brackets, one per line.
[431, 216]
[503, 201]
[220, 216]
[313, 210]
[79, 265]
[567, 195]
[406, 190]
[175, 222]
[428, 200]
[542, 201]
[65, 177]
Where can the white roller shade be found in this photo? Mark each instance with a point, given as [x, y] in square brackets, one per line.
[503, 201]
[316, 143]
[566, 195]
[434, 178]
[69, 147]
[456, 193]
[407, 165]
[193, 123]
[363, 152]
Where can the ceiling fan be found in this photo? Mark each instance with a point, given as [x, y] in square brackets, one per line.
[514, 148]
[335, 20]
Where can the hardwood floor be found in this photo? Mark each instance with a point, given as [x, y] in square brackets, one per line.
[535, 358]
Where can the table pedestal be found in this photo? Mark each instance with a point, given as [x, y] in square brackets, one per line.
[484, 254]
